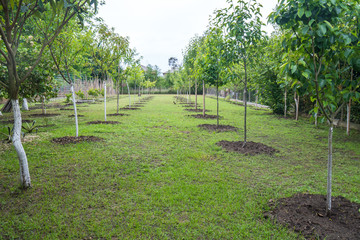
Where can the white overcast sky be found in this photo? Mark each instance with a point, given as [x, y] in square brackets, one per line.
[160, 29]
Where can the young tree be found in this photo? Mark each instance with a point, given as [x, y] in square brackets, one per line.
[14, 15]
[319, 28]
[214, 50]
[242, 25]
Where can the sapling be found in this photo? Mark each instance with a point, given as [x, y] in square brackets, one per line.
[29, 128]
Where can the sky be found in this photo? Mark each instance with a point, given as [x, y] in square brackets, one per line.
[160, 29]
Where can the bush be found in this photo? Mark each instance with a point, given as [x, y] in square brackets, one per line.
[93, 92]
[80, 94]
[68, 97]
[227, 98]
[100, 92]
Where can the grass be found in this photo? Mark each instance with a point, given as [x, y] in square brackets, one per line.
[157, 175]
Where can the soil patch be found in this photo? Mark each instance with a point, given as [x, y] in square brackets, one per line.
[220, 128]
[67, 140]
[132, 108]
[118, 114]
[44, 126]
[103, 122]
[66, 109]
[79, 115]
[204, 117]
[195, 110]
[306, 214]
[12, 121]
[45, 115]
[250, 148]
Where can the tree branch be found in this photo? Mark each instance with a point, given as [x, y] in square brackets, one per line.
[16, 16]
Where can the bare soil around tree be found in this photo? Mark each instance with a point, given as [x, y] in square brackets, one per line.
[200, 116]
[250, 148]
[216, 128]
[306, 214]
[103, 122]
[74, 140]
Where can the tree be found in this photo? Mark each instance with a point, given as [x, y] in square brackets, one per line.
[13, 17]
[108, 50]
[319, 29]
[213, 62]
[67, 51]
[242, 28]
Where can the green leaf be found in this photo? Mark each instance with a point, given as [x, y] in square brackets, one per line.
[333, 2]
[305, 74]
[322, 28]
[305, 30]
[311, 22]
[293, 68]
[308, 13]
[301, 12]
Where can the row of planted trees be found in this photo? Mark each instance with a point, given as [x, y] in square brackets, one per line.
[43, 41]
[313, 54]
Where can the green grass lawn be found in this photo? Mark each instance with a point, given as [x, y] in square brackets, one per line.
[157, 175]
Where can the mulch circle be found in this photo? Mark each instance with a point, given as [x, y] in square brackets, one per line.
[79, 115]
[118, 114]
[250, 148]
[68, 139]
[220, 128]
[306, 214]
[204, 117]
[132, 108]
[195, 110]
[45, 115]
[12, 121]
[103, 122]
[45, 126]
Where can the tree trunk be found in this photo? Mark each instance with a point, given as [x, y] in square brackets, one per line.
[297, 99]
[7, 107]
[117, 99]
[105, 100]
[16, 139]
[129, 94]
[204, 98]
[0, 113]
[25, 105]
[348, 118]
[316, 116]
[217, 105]
[75, 111]
[245, 104]
[196, 94]
[285, 100]
[189, 91]
[43, 106]
[328, 197]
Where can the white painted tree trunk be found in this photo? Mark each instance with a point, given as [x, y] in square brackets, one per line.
[203, 98]
[129, 94]
[328, 198]
[43, 106]
[75, 111]
[0, 113]
[16, 140]
[25, 105]
[316, 117]
[105, 100]
[348, 118]
[285, 100]
[296, 98]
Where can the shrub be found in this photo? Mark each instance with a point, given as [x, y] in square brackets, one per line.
[68, 97]
[93, 92]
[80, 94]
